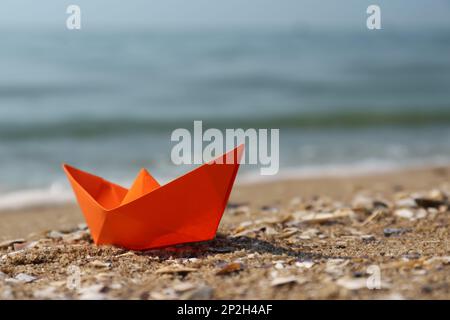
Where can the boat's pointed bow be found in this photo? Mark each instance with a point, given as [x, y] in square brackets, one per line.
[221, 174]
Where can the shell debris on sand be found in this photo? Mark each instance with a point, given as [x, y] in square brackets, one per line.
[323, 217]
[8, 243]
[310, 248]
[281, 281]
[23, 277]
[184, 286]
[175, 269]
[100, 264]
[230, 268]
[308, 264]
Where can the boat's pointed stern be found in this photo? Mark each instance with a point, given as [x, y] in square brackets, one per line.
[83, 184]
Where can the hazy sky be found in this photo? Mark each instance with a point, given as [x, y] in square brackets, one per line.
[182, 13]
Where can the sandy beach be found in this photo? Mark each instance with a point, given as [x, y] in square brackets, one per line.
[315, 238]
[344, 188]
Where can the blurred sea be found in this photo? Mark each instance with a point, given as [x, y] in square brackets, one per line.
[107, 101]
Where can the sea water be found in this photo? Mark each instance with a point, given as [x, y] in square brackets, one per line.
[107, 101]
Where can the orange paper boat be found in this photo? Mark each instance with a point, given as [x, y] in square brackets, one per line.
[187, 209]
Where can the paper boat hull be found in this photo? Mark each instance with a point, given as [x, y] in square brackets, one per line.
[187, 209]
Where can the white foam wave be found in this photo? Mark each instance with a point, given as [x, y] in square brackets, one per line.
[55, 194]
